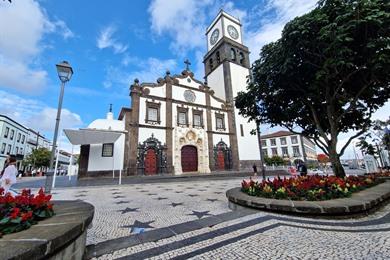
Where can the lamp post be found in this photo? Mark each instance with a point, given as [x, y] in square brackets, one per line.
[65, 72]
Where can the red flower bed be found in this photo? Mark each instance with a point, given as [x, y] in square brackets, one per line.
[313, 187]
[21, 211]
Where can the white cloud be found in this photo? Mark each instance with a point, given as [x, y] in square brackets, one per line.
[106, 40]
[148, 70]
[35, 114]
[22, 27]
[270, 20]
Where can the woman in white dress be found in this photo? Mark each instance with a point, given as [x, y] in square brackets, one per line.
[9, 175]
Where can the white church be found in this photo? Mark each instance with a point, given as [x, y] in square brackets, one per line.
[181, 124]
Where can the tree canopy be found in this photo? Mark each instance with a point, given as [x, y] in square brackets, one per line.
[38, 158]
[326, 75]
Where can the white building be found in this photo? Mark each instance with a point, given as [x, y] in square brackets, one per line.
[181, 124]
[289, 146]
[18, 140]
[13, 140]
[100, 159]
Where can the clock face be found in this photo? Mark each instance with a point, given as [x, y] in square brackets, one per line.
[189, 96]
[214, 37]
[232, 32]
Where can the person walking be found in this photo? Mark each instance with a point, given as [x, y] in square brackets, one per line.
[302, 169]
[254, 169]
[6, 162]
[9, 176]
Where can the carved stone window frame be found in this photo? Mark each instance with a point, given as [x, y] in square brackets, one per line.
[222, 117]
[198, 112]
[155, 106]
[182, 110]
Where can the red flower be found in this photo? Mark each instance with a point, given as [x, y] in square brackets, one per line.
[14, 213]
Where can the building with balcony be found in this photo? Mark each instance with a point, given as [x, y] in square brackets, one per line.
[289, 146]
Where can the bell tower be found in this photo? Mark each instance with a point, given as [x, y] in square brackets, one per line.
[226, 55]
[227, 69]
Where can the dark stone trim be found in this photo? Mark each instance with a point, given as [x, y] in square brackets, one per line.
[186, 103]
[155, 106]
[198, 112]
[154, 126]
[133, 131]
[222, 117]
[219, 133]
[169, 126]
[182, 109]
[124, 111]
[209, 128]
[160, 151]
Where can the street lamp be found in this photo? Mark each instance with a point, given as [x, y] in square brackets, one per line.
[65, 72]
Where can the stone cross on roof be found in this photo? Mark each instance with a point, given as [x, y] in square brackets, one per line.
[188, 63]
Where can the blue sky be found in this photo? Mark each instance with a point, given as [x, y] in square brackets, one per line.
[108, 44]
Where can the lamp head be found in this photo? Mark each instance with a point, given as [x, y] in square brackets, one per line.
[64, 71]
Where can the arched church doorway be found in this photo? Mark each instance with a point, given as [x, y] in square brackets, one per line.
[150, 162]
[222, 156]
[189, 158]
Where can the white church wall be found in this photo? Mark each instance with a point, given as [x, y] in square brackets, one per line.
[214, 123]
[215, 103]
[187, 81]
[215, 81]
[96, 162]
[217, 138]
[145, 133]
[159, 91]
[239, 78]
[142, 110]
[178, 94]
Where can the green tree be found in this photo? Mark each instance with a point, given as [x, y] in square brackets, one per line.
[38, 158]
[327, 74]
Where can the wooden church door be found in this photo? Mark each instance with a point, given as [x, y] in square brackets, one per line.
[189, 158]
[221, 160]
[150, 162]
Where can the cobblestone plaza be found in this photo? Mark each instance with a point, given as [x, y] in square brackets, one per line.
[191, 219]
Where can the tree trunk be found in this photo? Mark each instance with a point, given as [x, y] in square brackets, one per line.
[336, 164]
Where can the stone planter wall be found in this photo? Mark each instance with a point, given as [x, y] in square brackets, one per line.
[62, 236]
[359, 202]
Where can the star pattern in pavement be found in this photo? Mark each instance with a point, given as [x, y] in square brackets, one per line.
[151, 194]
[161, 198]
[173, 204]
[126, 210]
[199, 214]
[122, 202]
[139, 224]
[193, 195]
[212, 200]
[218, 192]
[118, 197]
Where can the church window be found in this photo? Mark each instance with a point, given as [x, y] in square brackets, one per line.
[197, 118]
[242, 58]
[232, 54]
[152, 113]
[3, 148]
[6, 132]
[12, 134]
[242, 129]
[220, 121]
[218, 57]
[182, 116]
[108, 150]
[211, 63]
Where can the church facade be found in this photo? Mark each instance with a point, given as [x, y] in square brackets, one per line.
[181, 124]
